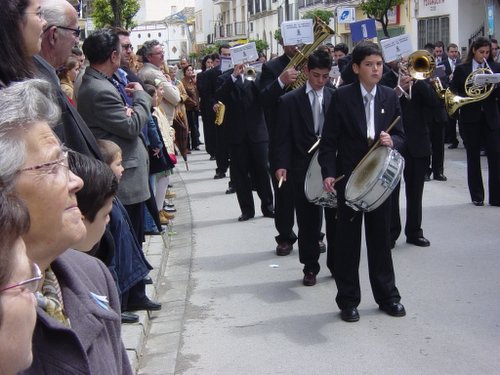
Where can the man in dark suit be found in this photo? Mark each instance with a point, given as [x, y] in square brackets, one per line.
[56, 48]
[248, 140]
[211, 85]
[449, 64]
[480, 122]
[417, 152]
[347, 136]
[273, 82]
[300, 121]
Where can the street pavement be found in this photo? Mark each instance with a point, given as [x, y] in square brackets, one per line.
[231, 306]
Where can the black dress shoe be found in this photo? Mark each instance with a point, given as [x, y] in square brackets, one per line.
[128, 317]
[427, 177]
[419, 241]
[145, 304]
[219, 175]
[453, 145]
[230, 190]
[212, 158]
[440, 177]
[245, 217]
[322, 247]
[284, 248]
[349, 314]
[147, 280]
[478, 203]
[309, 279]
[393, 309]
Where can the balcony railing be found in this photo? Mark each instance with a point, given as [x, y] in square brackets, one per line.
[230, 30]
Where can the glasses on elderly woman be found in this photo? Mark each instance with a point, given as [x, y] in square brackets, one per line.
[30, 285]
[55, 167]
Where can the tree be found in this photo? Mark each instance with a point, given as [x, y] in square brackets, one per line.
[378, 9]
[323, 15]
[114, 13]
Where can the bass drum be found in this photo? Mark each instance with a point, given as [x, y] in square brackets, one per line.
[373, 180]
[313, 186]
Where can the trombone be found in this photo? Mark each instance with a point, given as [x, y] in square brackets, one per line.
[419, 66]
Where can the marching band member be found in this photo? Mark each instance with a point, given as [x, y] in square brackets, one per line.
[480, 122]
[273, 81]
[358, 114]
[299, 123]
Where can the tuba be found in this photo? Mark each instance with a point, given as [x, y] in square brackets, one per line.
[473, 91]
[321, 32]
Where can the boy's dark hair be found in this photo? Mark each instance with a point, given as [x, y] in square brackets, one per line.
[99, 181]
[319, 59]
[341, 47]
[364, 49]
[215, 56]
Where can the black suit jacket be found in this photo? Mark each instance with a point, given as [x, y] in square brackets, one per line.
[295, 130]
[210, 82]
[71, 129]
[416, 115]
[270, 89]
[344, 142]
[244, 118]
[471, 112]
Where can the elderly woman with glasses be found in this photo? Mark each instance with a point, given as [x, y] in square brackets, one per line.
[78, 313]
[21, 25]
[19, 279]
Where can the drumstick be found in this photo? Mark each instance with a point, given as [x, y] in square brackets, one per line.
[339, 178]
[314, 145]
[376, 144]
[280, 182]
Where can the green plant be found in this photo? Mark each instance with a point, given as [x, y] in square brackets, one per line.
[378, 9]
[119, 13]
[323, 15]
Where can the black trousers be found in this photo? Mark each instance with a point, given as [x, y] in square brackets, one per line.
[437, 142]
[414, 175]
[347, 255]
[208, 117]
[309, 222]
[136, 214]
[243, 156]
[192, 117]
[222, 149]
[284, 211]
[478, 134]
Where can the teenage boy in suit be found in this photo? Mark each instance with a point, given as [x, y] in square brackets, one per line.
[347, 136]
[298, 128]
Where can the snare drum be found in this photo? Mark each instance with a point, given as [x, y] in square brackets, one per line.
[313, 186]
[372, 181]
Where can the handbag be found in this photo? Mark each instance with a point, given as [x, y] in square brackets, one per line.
[159, 163]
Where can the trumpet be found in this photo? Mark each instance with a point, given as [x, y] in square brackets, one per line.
[250, 73]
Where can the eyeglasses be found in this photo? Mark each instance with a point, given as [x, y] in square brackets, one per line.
[39, 13]
[76, 32]
[52, 167]
[30, 285]
[158, 53]
[128, 46]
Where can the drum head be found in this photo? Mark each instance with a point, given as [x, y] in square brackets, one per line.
[365, 175]
[313, 183]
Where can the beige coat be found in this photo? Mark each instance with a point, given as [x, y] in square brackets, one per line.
[171, 95]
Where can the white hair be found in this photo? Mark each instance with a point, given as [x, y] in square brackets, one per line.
[55, 12]
[23, 104]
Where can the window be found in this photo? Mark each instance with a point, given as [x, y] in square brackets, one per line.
[250, 7]
[430, 30]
